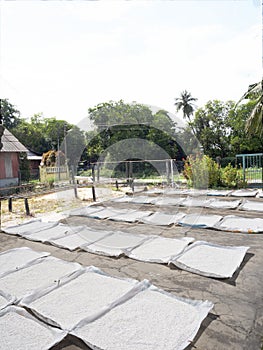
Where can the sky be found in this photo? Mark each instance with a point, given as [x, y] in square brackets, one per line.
[61, 58]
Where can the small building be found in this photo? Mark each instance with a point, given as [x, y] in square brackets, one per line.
[9, 159]
[34, 163]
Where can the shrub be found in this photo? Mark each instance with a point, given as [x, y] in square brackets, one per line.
[228, 160]
[201, 172]
[232, 177]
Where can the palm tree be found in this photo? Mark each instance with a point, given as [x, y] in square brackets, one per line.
[254, 123]
[185, 103]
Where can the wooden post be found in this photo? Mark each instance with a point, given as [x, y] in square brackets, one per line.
[27, 207]
[167, 171]
[93, 172]
[74, 183]
[172, 172]
[132, 185]
[117, 184]
[131, 170]
[98, 172]
[10, 206]
[127, 171]
[93, 193]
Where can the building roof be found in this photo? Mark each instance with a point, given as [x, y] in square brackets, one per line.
[33, 156]
[11, 143]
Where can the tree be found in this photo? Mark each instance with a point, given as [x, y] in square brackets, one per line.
[10, 116]
[118, 121]
[212, 128]
[254, 125]
[239, 140]
[185, 104]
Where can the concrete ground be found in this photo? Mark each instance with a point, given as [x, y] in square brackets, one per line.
[235, 322]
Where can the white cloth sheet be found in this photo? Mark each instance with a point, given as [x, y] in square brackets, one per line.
[240, 224]
[162, 201]
[252, 206]
[162, 219]
[115, 244]
[83, 237]
[194, 202]
[151, 320]
[196, 192]
[160, 249]
[108, 212]
[142, 200]
[223, 204]
[131, 216]
[21, 331]
[210, 260]
[246, 192]
[85, 211]
[123, 199]
[88, 294]
[5, 300]
[14, 259]
[200, 221]
[37, 276]
[57, 231]
[30, 226]
[222, 193]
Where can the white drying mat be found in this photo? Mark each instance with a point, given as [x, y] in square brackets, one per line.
[219, 193]
[159, 249]
[200, 221]
[83, 237]
[115, 244]
[108, 212]
[194, 202]
[20, 330]
[131, 216]
[15, 259]
[85, 295]
[6, 300]
[172, 191]
[163, 201]
[247, 192]
[142, 200]
[155, 191]
[252, 206]
[211, 260]
[37, 276]
[85, 211]
[58, 231]
[29, 227]
[221, 204]
[151, 320]
[196, 192]
[162, 219]
[240, 224]
[123, 199]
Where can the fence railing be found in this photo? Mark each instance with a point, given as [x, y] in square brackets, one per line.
[252, 168]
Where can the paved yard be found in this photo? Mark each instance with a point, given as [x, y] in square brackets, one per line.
[236, 321]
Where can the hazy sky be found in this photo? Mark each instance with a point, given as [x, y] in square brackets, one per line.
[62, 57]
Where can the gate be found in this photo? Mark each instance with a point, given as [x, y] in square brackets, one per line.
[252, 168]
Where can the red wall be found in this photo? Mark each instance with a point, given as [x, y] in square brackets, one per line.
[2, 166]
[15, 164]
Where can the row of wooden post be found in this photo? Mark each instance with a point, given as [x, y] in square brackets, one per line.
[10, 205]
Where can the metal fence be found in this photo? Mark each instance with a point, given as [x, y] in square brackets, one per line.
[252, 168]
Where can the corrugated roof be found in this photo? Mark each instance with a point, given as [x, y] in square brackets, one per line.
[11, 143]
